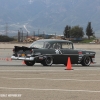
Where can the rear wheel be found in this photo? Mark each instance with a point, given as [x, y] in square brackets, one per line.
[29, 63]
[47, 61]
[86, 61]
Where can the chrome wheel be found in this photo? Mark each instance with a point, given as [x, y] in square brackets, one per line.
[47, 61]
[86, 61]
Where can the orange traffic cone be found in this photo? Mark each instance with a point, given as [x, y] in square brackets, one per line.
[69, 66]
[7, 59]
[23, 62]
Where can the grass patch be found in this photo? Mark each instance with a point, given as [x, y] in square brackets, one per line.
[87, 40]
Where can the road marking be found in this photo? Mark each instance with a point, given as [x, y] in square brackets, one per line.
[87, 69]
[30, 70]
[24, 78]
[62, 70]
[52, 79]
[61, 90]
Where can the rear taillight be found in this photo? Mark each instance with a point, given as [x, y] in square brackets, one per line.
[93, 56]
[79, 52]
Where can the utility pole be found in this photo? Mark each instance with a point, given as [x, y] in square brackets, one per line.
[18, 36]
[21, 35]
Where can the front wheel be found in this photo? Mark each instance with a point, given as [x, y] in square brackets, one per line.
[86, 61]
[29, 63]
[48, 61]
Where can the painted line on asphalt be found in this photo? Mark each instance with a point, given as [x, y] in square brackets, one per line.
[87, 69]
[51, 79]
[61, 90]
[30, 70]
[62, 70]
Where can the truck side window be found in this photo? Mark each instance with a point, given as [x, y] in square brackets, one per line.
[56, 46]
[66, 46]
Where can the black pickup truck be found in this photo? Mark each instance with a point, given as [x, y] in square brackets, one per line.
[52, 51]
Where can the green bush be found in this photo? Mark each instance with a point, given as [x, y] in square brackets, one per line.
[4, 38]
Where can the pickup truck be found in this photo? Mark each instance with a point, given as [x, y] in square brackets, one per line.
[52, 51]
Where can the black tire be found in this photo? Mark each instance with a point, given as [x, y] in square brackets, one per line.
[48, 61]
[86, 61]
[29, 63]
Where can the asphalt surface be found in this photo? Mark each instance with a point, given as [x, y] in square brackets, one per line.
[19, 82]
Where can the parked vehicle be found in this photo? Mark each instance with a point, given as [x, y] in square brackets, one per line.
[52, 51]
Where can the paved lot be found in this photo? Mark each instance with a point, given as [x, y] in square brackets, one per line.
[19, 82]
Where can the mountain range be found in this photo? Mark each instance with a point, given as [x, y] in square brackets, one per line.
[48, 16]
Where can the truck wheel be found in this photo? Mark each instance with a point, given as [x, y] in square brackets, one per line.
[29, 63]
[86, 61]
[47, 61]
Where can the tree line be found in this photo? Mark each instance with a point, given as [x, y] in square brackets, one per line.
[77, 31]
[4, 38]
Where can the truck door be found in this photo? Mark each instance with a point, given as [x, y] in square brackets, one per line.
[68, 51]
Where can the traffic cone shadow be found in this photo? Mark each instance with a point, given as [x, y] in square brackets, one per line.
[69, 65]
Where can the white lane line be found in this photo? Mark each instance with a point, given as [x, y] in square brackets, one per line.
[61, 90]
[24, 78]
[51, 79]
[31, 70]
[62, 70]
[88, 68]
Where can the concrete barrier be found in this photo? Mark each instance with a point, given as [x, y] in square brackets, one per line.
[87, 46]
[4, 45]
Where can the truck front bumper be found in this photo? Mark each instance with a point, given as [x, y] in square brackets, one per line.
[22, 58]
